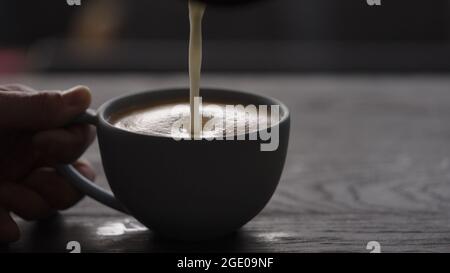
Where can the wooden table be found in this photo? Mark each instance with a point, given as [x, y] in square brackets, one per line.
[369, 160]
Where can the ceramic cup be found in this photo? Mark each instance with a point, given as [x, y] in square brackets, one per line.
[184, 189]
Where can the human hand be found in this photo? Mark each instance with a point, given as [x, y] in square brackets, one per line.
[33, 140]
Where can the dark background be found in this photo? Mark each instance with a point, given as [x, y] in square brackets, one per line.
[271, 35]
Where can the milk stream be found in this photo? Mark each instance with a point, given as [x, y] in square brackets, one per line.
[196, 11]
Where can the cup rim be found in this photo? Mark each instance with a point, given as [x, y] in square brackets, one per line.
[110, 103]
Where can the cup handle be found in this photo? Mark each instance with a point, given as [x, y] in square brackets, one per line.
[83, 184]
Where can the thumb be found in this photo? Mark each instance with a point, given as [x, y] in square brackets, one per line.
[42, 110]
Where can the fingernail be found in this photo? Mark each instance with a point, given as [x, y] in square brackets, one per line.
[77, 96]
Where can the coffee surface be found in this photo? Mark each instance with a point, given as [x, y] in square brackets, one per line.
[172, 119]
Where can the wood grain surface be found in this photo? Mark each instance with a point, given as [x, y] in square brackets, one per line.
[369, 160]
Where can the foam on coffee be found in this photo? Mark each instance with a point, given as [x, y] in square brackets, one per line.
[161, 119]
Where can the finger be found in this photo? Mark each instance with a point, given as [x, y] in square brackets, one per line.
[42, 110]
[16, 87]
[9, 231]
[23, 201]
[55, 189]
[62, 145]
